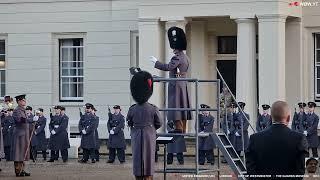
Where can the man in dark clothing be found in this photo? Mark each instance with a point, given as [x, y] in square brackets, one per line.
[277, 150]
[116, 142]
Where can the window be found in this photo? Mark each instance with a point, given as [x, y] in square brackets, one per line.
[2, 68]
[71, 69]
[317, 65]
[227, 44]
[134, 49]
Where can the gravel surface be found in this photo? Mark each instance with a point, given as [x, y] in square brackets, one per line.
[72, 170]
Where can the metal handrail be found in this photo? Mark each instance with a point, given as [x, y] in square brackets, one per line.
[196, 109]
[240, 110]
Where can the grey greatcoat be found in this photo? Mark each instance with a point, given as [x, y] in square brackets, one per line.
[60, 140]
[297, 121]
[264, 121]
[21, 133]
[311, 126]
[227, 125]
[7, 131]
[179, 144]
[30, 121]
[39, 137]
[2, 155]
[97, 133]
[178, 93]
[88, 122]
[206, 125]
[145, 120]
[116, 123]
[240, 121]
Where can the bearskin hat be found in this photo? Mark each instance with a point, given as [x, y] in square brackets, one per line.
[177, 38]
[141, 85]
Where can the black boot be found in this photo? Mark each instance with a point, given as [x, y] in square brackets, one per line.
[51, 160]
[82, 161]
[169, 158]
[180, 158]
[110, 161]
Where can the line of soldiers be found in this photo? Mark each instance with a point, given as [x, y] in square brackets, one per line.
[232, 125]
[205, 145]
[35, 124]
[306, 122]
[90, 143]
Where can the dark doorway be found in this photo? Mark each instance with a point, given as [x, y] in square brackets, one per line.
[228, 70]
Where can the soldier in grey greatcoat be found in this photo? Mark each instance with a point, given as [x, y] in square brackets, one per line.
[87, 128]
[178, 67]
[178, 147]
[7, 131]
[59, 140]
[310, 126]
[30, 121]
[116, 142]
[96, 151]
[239, 123]
[21, 134]
[299, 118]
[206, 144]
[2, 154]
[227, 124]
[143, 119]
[39, 141]
[264, 120]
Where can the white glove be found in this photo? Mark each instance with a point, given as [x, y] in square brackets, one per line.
[228, 132]
[35, 118]
[237, 134]
[35, 133]
[111, 132]
[153, 59]
[84, 131]
[53, 132]
[305, 133]
[56, 126]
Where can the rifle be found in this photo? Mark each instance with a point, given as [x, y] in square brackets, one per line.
[109, 113]
[80, 113]
[50, 114]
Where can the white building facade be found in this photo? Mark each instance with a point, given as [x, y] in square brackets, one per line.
[70, 52]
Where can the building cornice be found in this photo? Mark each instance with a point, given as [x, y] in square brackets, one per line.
[272, 18]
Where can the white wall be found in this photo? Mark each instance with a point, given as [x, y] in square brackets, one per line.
[33, 29]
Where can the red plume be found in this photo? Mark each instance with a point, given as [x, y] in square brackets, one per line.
[149, 83]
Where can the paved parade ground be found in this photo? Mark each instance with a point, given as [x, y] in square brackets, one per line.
[100, 170]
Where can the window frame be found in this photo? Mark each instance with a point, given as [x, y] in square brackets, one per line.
[70, 99]
[219, 38]
[5, 39]
[316, 65]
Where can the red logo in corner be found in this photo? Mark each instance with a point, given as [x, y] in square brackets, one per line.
[296, 3]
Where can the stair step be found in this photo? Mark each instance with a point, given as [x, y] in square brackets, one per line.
[228, 146]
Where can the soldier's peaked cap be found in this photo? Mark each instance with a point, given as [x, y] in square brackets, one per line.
[29, 108]
[302, 104]
[89, 105]
[20, 97]
[265, 106]
[204, 106]
[312, 104]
